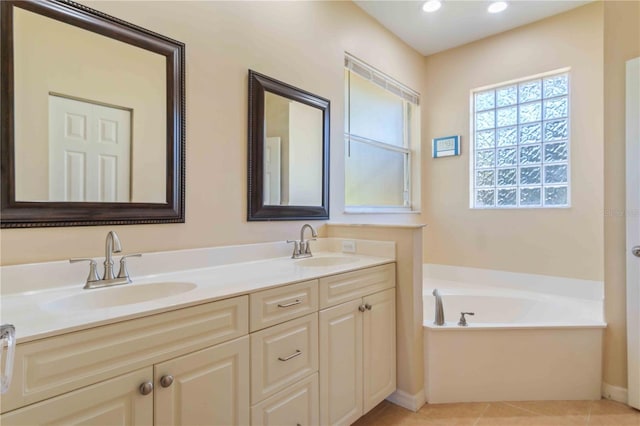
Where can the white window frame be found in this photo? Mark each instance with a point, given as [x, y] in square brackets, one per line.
[408, 97]
[472, 144]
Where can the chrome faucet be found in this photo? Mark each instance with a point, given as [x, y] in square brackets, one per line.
[439, 320]
[112, 245]
[302, 248]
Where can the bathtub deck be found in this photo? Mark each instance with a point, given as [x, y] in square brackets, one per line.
[540, 413]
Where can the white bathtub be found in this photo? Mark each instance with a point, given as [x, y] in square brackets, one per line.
[521, 344]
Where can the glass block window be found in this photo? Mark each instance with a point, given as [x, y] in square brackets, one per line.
[520, 147]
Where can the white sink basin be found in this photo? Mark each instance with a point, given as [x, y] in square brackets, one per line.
[110, 297]
[325, 261]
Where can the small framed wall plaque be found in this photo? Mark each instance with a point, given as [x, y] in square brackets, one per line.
[446, 146]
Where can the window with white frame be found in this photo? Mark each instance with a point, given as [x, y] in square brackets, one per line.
[381, 130]
[520, 148]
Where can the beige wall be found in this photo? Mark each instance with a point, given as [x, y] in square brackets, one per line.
[560, 242]
[53, 57]
[301, 43]
[621, 43]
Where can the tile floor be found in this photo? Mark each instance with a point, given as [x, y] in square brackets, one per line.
[529, 413]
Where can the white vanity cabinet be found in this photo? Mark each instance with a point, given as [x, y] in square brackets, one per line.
[357, 341]
[205, 349]
[316, 352]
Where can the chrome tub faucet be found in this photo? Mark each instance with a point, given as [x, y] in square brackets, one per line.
[112, 245]
[439, 320]
[302, 248]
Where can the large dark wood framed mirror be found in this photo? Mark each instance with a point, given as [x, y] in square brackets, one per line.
[92, 119]
[288, 152]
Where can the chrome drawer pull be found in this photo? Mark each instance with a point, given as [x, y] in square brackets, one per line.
[293, 355]
[286, 305]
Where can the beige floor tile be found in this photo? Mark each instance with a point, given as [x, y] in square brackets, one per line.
[527, 413]
[614, 420]
[507, 409]
[555, 408]
[605, 406]
[452, 414]
[533, 421]
[524, 414]
[611, 413]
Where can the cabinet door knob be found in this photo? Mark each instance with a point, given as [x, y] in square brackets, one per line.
[368, 306]
[636, 251]
[166, 381]
[361, 308]
[146, 388]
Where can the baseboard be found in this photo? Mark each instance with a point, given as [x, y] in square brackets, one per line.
[408, 401]
[614, 393]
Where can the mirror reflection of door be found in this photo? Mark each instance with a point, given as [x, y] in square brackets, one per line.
[272, 176]
[298, 170]
[89, 151]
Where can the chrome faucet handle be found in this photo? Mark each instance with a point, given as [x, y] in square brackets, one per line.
[296, 248]
[463, 320]
[306, 249]
[123, 272]
[93, 269]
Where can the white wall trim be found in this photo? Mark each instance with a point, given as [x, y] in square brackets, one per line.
[614, 393]
[408, 401]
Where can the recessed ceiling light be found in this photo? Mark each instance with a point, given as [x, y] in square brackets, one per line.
[431, 5]
[497, 6]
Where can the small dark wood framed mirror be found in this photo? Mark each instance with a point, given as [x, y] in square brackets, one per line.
[92, 119]
[288, 152]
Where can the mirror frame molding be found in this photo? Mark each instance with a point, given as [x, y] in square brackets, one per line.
[256, 210]
[29, 214]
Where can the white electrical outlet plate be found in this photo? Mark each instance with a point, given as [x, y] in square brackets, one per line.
[349, 246]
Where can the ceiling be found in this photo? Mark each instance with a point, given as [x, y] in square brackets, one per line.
[458, 21]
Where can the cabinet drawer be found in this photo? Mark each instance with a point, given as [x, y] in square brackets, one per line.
[49, 367]
[114, 402]
[353, 285]
[282, 355]
[296, 405]
[271, 307]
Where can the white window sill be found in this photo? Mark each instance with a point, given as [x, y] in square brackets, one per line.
[379, 210]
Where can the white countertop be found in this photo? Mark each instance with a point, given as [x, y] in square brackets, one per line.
[28, 310]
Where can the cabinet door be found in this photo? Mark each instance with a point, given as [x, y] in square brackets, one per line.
[210, 387]
[341, 364]
[114, 402]
[379, 347]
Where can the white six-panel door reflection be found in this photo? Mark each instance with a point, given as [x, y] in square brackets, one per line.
[272, 174]
[89, 151]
